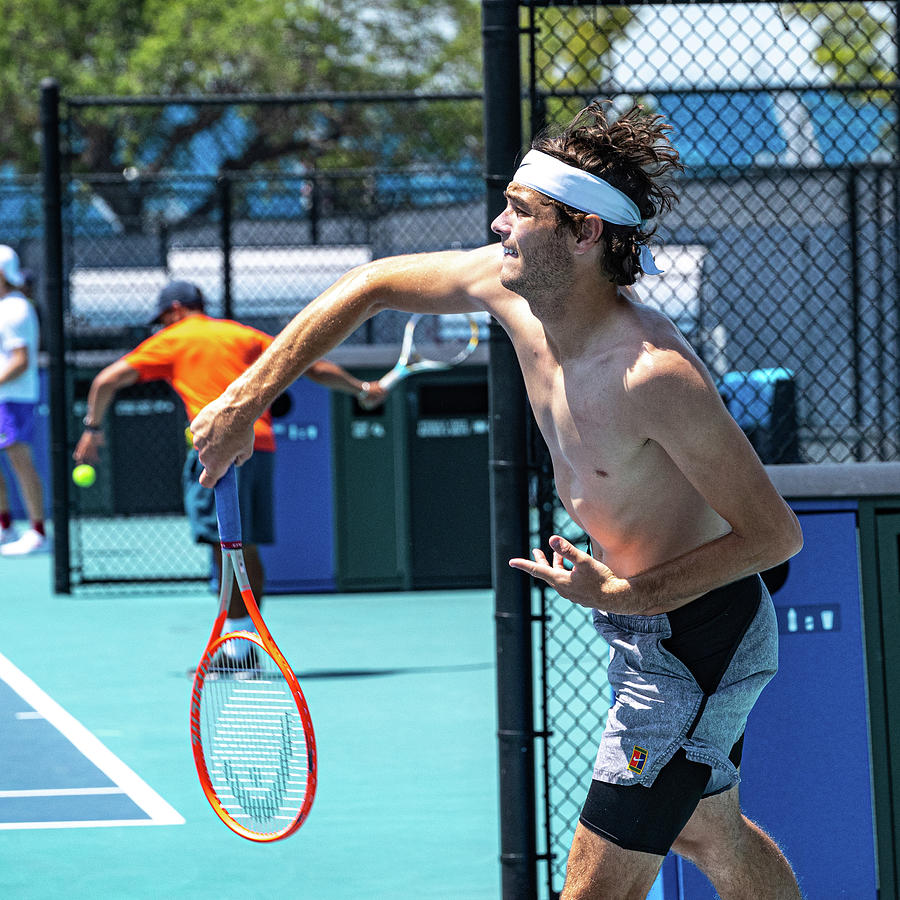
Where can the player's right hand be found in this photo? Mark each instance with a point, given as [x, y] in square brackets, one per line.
[219, 442]
[374, 396]
[88, 446]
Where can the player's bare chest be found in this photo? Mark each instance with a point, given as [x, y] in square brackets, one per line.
[586, 420]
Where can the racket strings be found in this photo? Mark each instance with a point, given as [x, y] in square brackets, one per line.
[443, 339]
[253, 738]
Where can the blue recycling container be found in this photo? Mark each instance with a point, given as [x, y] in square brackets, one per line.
[763, 402]
[302, 558]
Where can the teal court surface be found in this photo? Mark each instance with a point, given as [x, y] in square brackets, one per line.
[98, 792]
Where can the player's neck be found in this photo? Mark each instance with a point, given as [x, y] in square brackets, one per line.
[577, 319]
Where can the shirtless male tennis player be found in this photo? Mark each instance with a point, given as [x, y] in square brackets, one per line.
[681, 514]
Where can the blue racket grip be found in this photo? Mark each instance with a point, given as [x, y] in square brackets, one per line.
[228, 511]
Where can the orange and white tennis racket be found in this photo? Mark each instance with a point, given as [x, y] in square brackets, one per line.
[251, 731]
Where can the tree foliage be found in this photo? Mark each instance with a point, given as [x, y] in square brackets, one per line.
[572, 55]
[855, 44]
[215, 47]
[573, 51]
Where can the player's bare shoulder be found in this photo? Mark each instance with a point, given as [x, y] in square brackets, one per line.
[481, 270]
[477, 275]
[665, 369]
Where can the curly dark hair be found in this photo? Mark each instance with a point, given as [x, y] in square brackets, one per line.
[632, 154]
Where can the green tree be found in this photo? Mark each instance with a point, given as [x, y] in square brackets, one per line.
[223, 47]
[572, 54]
[857, 48]
[854, 40]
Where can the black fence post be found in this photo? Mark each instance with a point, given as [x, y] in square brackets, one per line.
[509, 483]
[315, 212]
[51, 169]
[225, 237]
[855, 294]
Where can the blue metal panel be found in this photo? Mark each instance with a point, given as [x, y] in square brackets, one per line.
[302, 557]
[722, 130]
[806, 770]
[848, 130]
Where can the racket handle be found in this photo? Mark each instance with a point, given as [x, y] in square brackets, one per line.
[228, 512]
[386, 382]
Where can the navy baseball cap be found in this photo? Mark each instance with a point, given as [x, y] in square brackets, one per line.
[184, 292]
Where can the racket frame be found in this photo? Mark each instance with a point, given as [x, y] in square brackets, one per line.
[411, 362]
[233, 567]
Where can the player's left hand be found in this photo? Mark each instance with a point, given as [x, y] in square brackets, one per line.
[573, 574]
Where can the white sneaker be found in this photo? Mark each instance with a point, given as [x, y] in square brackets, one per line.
[8, 535]
[30, 542]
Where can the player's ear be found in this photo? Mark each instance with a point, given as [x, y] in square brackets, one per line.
[591, 229]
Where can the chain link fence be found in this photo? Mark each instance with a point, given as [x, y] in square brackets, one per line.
[263, 203]
[782, 259]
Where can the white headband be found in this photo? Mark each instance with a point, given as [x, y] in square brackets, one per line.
[582, 191]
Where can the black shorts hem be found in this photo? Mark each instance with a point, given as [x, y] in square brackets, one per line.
[647, 819]
[625, 845]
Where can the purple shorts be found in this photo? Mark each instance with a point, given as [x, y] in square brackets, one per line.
[16, 423]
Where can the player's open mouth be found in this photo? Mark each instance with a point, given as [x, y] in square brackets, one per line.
[509, 252]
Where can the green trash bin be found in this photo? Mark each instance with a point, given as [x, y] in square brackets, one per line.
[144, 452]
[449, 484]
[411, 485]
[371, 519]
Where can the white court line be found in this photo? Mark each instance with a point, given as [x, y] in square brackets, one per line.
[62, 792]
[99, 823]
[128, 781]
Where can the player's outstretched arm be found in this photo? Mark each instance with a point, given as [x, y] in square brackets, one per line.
[103, 389]
[445, 282]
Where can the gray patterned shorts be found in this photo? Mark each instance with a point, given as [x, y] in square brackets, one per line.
[659, 705]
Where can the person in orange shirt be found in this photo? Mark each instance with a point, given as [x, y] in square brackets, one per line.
[199, 357]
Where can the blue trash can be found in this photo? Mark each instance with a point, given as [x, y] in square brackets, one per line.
[763, 402]
[302, 558]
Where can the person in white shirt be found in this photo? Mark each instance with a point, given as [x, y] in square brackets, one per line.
[19, 392]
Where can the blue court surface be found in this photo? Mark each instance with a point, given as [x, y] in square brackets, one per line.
[56, 774]
[98, 793]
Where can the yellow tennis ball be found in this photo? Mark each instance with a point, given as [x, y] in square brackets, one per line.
[84, 475]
